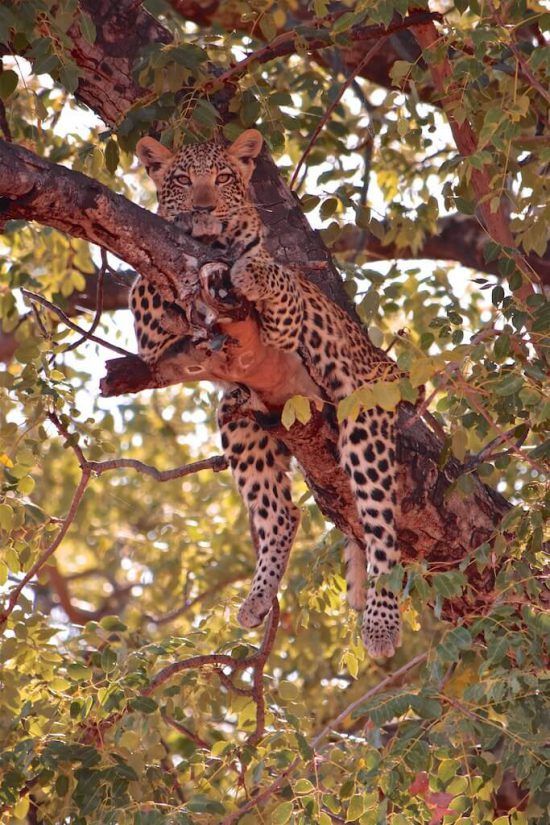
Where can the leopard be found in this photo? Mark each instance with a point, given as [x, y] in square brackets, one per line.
[301, 343]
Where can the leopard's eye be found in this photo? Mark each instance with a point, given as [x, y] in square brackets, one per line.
[225, 177]
[182, 179]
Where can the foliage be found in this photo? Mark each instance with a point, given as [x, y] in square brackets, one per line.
[152, 573]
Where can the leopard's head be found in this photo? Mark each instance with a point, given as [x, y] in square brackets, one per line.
[204, 186]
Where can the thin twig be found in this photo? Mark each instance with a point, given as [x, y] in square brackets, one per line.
[93, 731]
[215, 462]
[337, 721]
[90, 468]
[98, 304]
[525, 68]
[361, 65]
[180, 611]
[32, 296]
[185, 732]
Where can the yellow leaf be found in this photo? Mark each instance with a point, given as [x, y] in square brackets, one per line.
[351, 663]
[421, 371]
[6, 460]
[387, 394]
[410, 616]
[288, 416]
[302, 408]
[22, 808]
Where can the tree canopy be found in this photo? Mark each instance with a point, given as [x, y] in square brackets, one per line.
[415, 139]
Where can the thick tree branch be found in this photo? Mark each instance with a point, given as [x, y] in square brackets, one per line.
[286, 43]
[434, 526]
[401, 46]
[113, 603]
[459, 238]
[494, 218]
[32, 188]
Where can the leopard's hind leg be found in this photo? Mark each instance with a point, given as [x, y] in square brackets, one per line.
[260, 466]
[367, 454]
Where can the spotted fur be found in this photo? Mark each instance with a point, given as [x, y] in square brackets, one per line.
[204, 188]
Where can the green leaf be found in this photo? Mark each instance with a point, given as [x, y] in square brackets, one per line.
[268, 27]
[87, 27]
[26, 485]
[422, 370]
[112, 624]
[303, 786]
[386, 394]
[108, 659]
[282, 813]
[8, 83]
[143, 704]
[356, 808]
[399, 70]
[111, 156]
[347, 20]
[426, 707]
[509, 385]
[328, 208]
[6, 517]
[448, 584]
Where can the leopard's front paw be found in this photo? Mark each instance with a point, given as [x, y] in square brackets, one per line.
[253, 611]
[216, 286]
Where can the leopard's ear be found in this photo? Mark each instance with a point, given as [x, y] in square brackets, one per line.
[155, 157]
[245, 149]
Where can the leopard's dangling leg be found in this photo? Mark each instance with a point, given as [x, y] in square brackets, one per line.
[367, 454]
[355, 564]
[260, 465]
